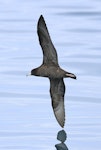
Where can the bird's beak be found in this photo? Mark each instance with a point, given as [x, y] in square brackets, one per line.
[29, 74]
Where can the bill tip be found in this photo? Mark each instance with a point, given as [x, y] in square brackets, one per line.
[29, 74]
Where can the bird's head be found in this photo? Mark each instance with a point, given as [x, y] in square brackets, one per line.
[33, 72]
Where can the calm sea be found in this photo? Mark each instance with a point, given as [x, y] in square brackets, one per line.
[27, 121]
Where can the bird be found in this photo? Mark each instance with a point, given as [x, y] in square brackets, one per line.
[50, 68]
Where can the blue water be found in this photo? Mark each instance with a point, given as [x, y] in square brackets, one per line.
[27, 121]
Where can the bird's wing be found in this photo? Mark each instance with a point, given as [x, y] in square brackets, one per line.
[49, 52]
[57, 91]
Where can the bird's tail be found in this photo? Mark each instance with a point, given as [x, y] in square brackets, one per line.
[70, 75]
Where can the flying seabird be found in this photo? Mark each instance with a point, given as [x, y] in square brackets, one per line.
[51, 69]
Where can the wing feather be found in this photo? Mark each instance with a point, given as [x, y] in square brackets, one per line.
[49, 52]
[57, 91]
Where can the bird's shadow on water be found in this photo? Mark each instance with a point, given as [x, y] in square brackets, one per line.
[61, 136]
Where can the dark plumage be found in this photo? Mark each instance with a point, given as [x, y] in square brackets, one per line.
[51, 69]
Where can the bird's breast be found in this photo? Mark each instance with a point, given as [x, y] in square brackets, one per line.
[51, 72]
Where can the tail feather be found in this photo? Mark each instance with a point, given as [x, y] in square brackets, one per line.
[70, 75]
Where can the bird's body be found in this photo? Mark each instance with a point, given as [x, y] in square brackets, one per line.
[51, 69]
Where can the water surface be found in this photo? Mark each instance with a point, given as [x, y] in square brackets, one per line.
[26, 118]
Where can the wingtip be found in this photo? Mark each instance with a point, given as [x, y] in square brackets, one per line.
[41, 17]
[61, 121]
[60, 114]
[62, 124]
[41, 22]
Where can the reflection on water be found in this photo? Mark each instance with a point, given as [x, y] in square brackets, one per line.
[61, 136]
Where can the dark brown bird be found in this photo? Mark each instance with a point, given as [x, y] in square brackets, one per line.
[51, 69]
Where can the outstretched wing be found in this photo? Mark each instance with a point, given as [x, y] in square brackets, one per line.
[57, 91]
[49, 52]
